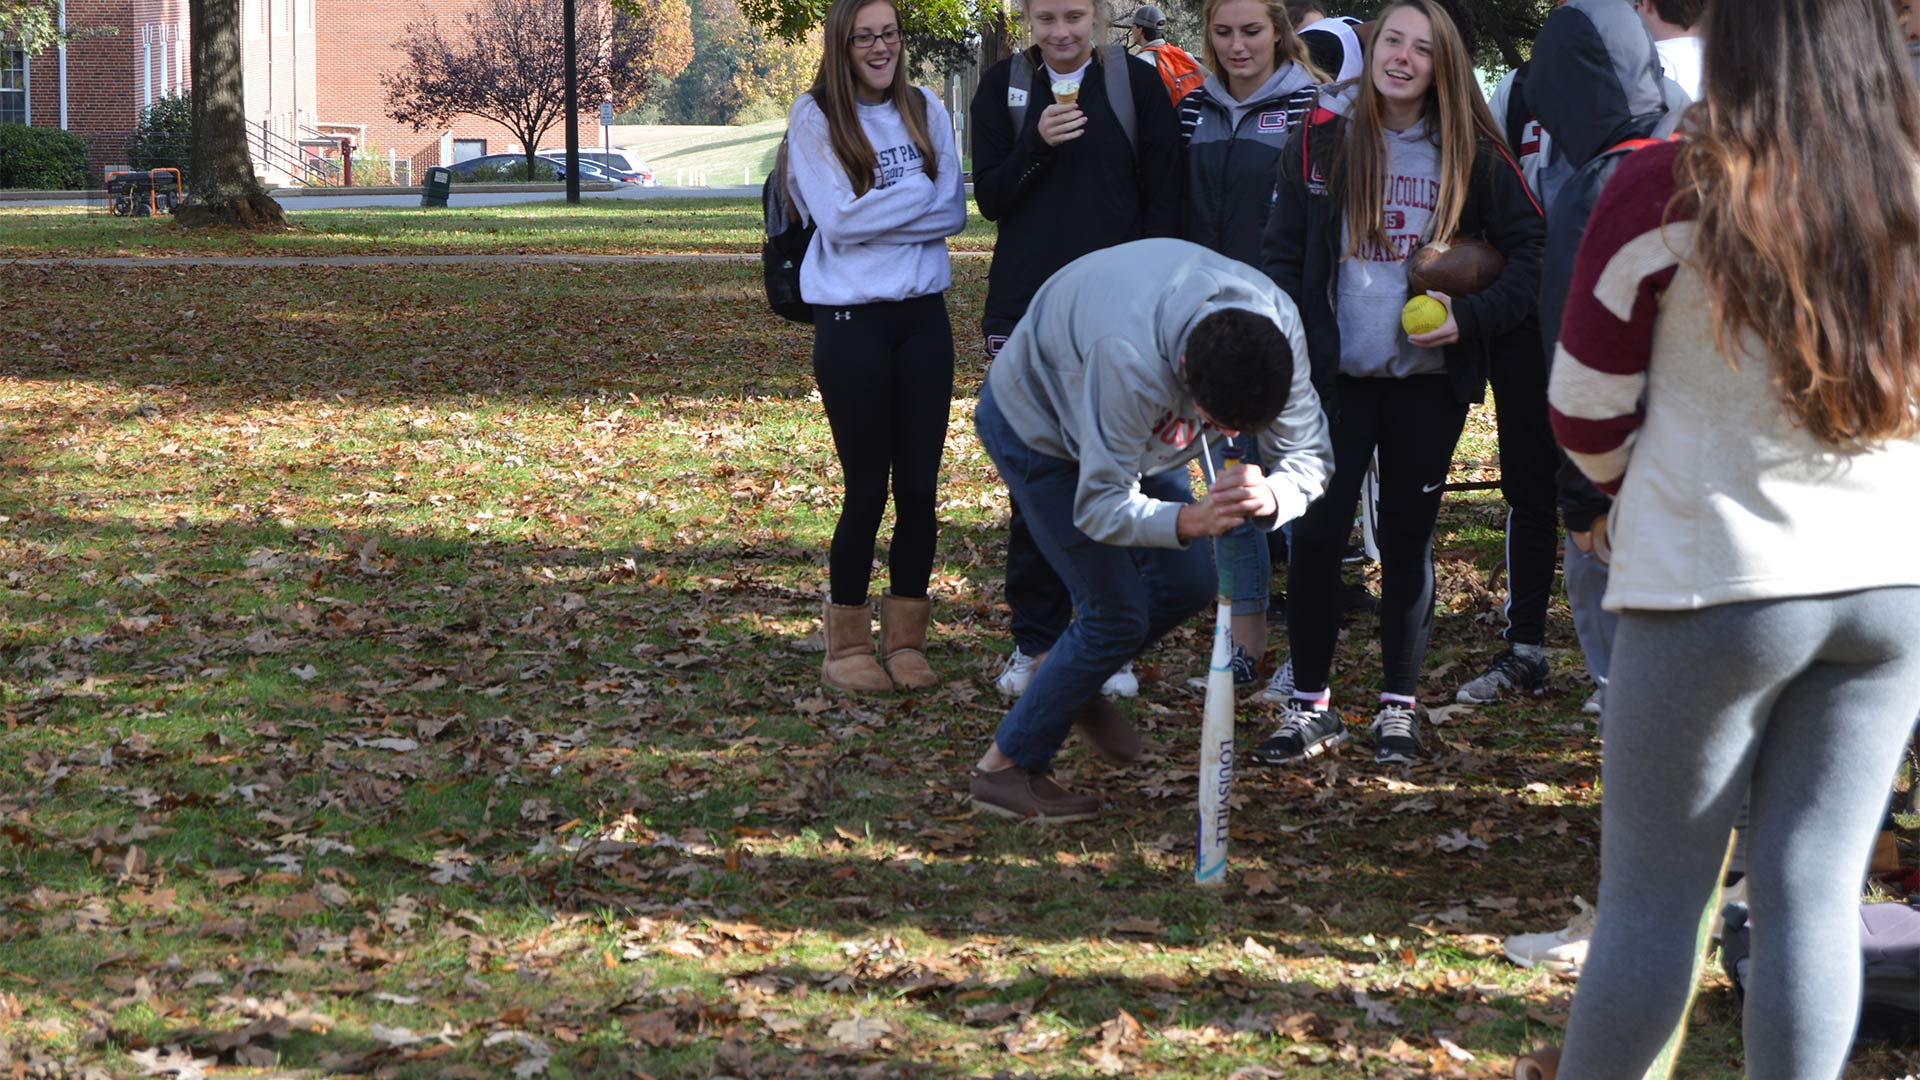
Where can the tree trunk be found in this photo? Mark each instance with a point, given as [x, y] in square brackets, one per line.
[997, 41]
[225, 191]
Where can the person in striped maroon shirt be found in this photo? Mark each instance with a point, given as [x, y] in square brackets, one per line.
[1739, 365]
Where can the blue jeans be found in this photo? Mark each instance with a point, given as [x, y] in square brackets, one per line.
[1586, 585]
[1245, 548]
[1124, 599]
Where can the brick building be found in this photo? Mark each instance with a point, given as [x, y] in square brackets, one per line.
[312, 76]
[96, 87]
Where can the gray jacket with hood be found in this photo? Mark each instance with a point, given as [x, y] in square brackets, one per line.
[1594, 82]
[1092, 375]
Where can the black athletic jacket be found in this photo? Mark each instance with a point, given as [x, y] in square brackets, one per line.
[1597, 86]
[1057, 203]
[1301, 252]
[1230, 170]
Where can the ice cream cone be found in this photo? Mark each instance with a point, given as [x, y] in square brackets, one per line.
[1066, 92]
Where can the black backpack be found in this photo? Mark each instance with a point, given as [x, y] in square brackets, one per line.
[785, 246]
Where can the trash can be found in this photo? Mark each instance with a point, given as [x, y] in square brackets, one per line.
[438, 182]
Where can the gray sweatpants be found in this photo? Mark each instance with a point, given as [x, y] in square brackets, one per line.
[1805, 702]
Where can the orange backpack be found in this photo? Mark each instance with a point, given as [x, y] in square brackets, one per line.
[1178, 70]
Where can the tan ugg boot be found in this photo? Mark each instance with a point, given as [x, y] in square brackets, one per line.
[903, 641]
[850, 664]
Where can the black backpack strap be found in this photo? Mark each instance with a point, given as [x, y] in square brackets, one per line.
[1113, 66]
[1019, 85]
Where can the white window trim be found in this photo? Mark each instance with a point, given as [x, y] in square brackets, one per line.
[161, 33]
[146, 67]
[180, 43]
[26, 82]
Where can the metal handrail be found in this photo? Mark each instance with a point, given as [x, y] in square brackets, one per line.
[299, 166]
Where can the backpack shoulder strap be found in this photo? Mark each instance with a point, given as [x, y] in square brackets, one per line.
[1019, 83]
[1113, 67]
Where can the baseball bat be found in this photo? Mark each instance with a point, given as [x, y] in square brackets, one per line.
[1216, 722]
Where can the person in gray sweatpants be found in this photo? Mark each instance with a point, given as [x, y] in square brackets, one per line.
[1754, 446]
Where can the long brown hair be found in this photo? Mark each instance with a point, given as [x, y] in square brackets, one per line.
[1809, 221]
[1287, 46]
[836, 91]
[1457, 120]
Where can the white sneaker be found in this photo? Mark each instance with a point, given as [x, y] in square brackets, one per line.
[1121, 683]
[1596, 702]
[1279, 689]
[1017, 674]
[1562, 951]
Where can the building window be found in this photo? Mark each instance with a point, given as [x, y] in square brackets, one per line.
[13, 85]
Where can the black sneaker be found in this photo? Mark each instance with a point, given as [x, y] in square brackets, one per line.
[1304, 733]
[1356, 599]
[1396, 734]
[1246, 673]
[1509, 671]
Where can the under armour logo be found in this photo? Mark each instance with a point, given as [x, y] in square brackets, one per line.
[843, 316]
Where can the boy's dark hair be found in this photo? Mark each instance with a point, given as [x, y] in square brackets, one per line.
[1297, 8]
[1239, 368]
[1681, 12]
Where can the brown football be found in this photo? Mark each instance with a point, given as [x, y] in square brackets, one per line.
[1459, 269]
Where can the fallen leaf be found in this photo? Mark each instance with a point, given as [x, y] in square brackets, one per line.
[858, 1032]
[1260, 882]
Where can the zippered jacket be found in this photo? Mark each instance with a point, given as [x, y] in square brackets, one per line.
[1302, 247]
[1233, 152]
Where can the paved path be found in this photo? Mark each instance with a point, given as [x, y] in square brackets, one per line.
[112, 262]
[127, 261]
[294, 203]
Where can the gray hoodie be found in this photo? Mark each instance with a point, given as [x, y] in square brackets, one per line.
[1092, 374]
[1373, 285]
[1285, 80]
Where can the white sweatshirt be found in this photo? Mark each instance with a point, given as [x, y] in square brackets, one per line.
[890, 243]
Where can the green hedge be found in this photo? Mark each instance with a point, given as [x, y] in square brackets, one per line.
[45, 159]
[165, 136]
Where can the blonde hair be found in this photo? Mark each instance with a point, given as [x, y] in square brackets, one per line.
[1457, 119]
[836, 90]
[1287, 46]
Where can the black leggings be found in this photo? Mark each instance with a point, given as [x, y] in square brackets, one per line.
[1528, 459]
[886, 377]
[1415, 423]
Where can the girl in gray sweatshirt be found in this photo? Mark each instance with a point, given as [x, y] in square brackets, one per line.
[873, 167]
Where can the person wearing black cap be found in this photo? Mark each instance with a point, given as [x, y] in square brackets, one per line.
[1149, 29]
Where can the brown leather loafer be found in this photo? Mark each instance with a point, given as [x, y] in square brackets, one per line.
[1113, 735]
[1016, 793]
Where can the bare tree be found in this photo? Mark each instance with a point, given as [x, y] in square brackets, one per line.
[225, 190]
[506, 64]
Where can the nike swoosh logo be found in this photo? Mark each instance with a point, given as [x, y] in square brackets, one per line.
[1429, 489]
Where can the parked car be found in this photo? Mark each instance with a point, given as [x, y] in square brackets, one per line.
[590, 170]
[508, 167]
[619, 158]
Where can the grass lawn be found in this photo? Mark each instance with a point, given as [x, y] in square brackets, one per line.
[679, 151]
[597, 226]
[414, 673]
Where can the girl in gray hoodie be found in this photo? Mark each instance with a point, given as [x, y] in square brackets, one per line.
[874, 168]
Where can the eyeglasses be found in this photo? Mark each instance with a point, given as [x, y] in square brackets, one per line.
[865, 40]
